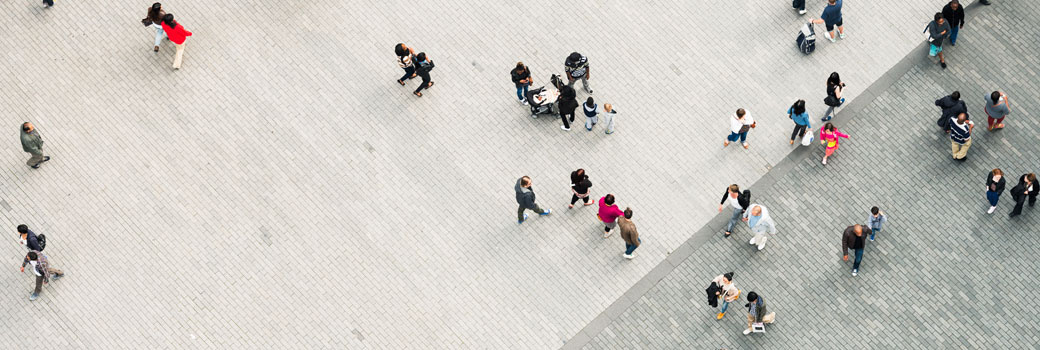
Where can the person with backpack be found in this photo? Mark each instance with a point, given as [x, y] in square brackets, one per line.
[800, 116]
[580, 187]
[591, 113]
[423, 67]
[1026, 189]
[522, 79]
[757, 312]
[178, 35]
[30, 240]
[405, 60]
[577, 67]
[951, 106]
[833, 99]
[953, 12]
[43, 271]
[997, 108]
[739, 203]
[937, 30]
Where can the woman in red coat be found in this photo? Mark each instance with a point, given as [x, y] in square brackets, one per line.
[177, 34]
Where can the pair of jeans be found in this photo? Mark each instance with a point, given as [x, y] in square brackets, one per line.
[725, 305]
[953, 35]
[859, 257]
[993, 197]
[798, 4]
[520, 211]
[873, 232]
[737, 212]
[733, 136]
[408, 71]
[159, 34]
[629, 248]
[799, 131]
[521, 91]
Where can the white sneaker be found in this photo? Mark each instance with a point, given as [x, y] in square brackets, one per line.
[751, 242]
[824, 161]
[801, 12]
[565, 128]
[607, 234]
[991, 209]
[626, 256]
[833, 39]
[855, 272]
[761, 247]
[841, 35]
[747, 331]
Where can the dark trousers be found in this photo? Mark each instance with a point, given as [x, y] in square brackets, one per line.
[520, 211]
[798, 4]
[425, 81]
[407, 73]
[859, 257]
[574, 199]
[49, 2]
[629, 248]
[799, 131]
[1020, 202]
[563, 117]
[39, 279]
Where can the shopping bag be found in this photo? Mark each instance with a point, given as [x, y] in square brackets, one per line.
[807, 139]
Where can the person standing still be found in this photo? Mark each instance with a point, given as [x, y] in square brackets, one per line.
[405, 60]
[997, 108]
[568, 103]
[829, 136]
[48, 3]
[950, 105]
[954, 15]
[577, 67]
[580, 184]
[591, 113]
[610, 114]
[726, 290]
[525, 198]
[423, 66]
[831, 17]
[994, 188]
[608, 214]
[853, 238]
[177, 34]
[43, 271]
[833, 100]
[629, 234]
[154, 20]
[33, 144]
[739, 126]
[960, 136]
[937, 30]
[875, 220]
[759, 222]
[739, 203]
[800, 116]
[1026, 189]
[522, 79]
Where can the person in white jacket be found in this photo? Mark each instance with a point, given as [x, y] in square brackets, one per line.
[759, 222]
[739, 125]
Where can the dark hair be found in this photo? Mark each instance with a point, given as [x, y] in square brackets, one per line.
[524, 181]
[874, 210]
[168, 19]
[740, 112]
[32, 256]
[995, 96]
[956, 95]
[798, 107]
[834, 79]
[400, 50]
[577, 176]
[752, 296]
[938, 16]
[153, 13]
[590, 102]
[520, 65]
[829, 126]
[609, 199]
[25, 126]
[22, 229]
[421, 56]
[628, 213]
[728, 275]
[574, 56]
[1031, 177]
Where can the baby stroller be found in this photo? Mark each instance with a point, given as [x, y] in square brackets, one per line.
[542, 100]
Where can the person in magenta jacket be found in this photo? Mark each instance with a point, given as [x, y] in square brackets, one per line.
[177, 34]
[608, 213]
[829, 136]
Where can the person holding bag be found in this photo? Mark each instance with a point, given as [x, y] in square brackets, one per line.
[154, 20]
[739, 127]
[800, 116]
[833, 99]
[726, 290]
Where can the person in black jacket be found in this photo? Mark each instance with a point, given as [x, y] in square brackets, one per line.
[423, 66]
[953, 12]
[738, 201]
[525, 198]
[580, 186]
[1026, 188]
[994, 188]
[951, 106]
[568, 103]
[30, 240]
[522, 78]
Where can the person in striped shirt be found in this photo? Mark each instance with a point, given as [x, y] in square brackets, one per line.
[960, 136]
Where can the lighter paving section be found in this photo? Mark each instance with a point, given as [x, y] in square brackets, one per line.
[281, 190]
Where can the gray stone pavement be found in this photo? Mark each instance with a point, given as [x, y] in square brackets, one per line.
[281, 190]
[943, 274]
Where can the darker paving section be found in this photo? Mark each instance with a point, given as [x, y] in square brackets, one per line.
[943, 273]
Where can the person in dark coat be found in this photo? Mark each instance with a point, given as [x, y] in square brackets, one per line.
[568, 103]
[951, 106]
[525, 198]
[953, 12]
[1026, 188]
[423, 66]
[580, 187]
[522, 79]
[994, 188]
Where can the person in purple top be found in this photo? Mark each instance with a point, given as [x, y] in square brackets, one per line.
[831, 17]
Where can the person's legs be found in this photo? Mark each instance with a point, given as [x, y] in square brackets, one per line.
[990, 122]
[859, 258]
[725, 305]
[35, 160]
[563, 117]
[520, 93]
[873, 232]
[1018, 208]
[574, 199]
[425, 82]
[993, 197]
[520, 214]
[953, 35]
[570, 80]
[830, 31]
[799, 131]
[761, 239]
[49, 3]
[179, 56]
[964, 149]
[829, 113]
[798, 5]
[954, 147]
[159, 35]
[734, 217]
[631, 248]
[538, 209]
[585, 84]
[743, 137]
[999, 123]
[610, 123]
[39, 284]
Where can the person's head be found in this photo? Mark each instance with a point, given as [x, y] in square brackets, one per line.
[421, 56]
[829, 127]
[727, 277]
[874, 211]
[832, 2]
[956, 95]
[628, 213]
[153, 13]
[22, 229]
[520, 66]
[734, 190]
[580, 172]
[32, 256]
[756, 211]
[954, 4]
[740, 113]
[939, 18]
[834, 79]
[590, 102]
[607, 107]
[574, 57]
[962, 117]
[27, 127]
[168, 19]
[401, 50]
[997, 174]
[994, 96]
[525, 181]
[798, 107]
[857, 229]
[609, 199]
[752, 296]
[1031, 177]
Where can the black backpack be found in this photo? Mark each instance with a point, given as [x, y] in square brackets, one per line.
[42, 240]
[426, 66]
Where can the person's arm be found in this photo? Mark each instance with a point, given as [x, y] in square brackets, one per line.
[971, 126]
[724, 195]
[837, 91]
[841, 134]
[588, 72]
[845, 245]
[960, 16]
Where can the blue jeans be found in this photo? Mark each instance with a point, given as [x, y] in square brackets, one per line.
[629, 248]
[521, 91]
[873, 232]
[953, 35]
[733, 219]
[859, 257]
[725, 304]
[993, 197]
[734, 136]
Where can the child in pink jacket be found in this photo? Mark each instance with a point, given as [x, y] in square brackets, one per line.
[829, 136]
[608, 213]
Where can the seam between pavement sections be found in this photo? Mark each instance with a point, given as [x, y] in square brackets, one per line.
[766, 182]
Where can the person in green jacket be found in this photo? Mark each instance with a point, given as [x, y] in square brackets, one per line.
[32, 143]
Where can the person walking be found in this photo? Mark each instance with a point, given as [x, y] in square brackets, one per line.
[30, 240]
[580, 187]
[48, 3]
[522, 79]
[798, 5]
[739, 203]
[33, 144]
[829, 137]
[759, 222]
[154, 20]
[739, 126]
[405, 60]
[577, 67]
[800, 116]
[609, 114]
[950, 105]
[526, 199]
[1026, 189]
[628, 233]
[725, 290]
[875, 220]
[833, 99]
[568, 103]
[954, 15]
[43, 271]
[997, 108]
[423, 66]
[994, 188]
[960, 136]
[608, 214]
[591, 113]
[831, 17]
[937, 30]
[177, 34]
[757, 312]
[853, 239]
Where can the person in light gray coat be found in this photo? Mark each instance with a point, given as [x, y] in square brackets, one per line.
[33, 144]
[759, 222]
[525, 198]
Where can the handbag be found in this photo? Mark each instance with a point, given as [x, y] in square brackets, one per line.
[146, 21]
[808, 138]
[831, 100]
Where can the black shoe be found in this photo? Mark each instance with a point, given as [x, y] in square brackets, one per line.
[984, 2]
[46, 158]
[943, 64]
[37, 166]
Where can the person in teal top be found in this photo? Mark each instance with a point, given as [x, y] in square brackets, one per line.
[800, 116]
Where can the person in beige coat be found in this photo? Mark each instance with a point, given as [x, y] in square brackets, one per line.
[729, 292]
[629, 234]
